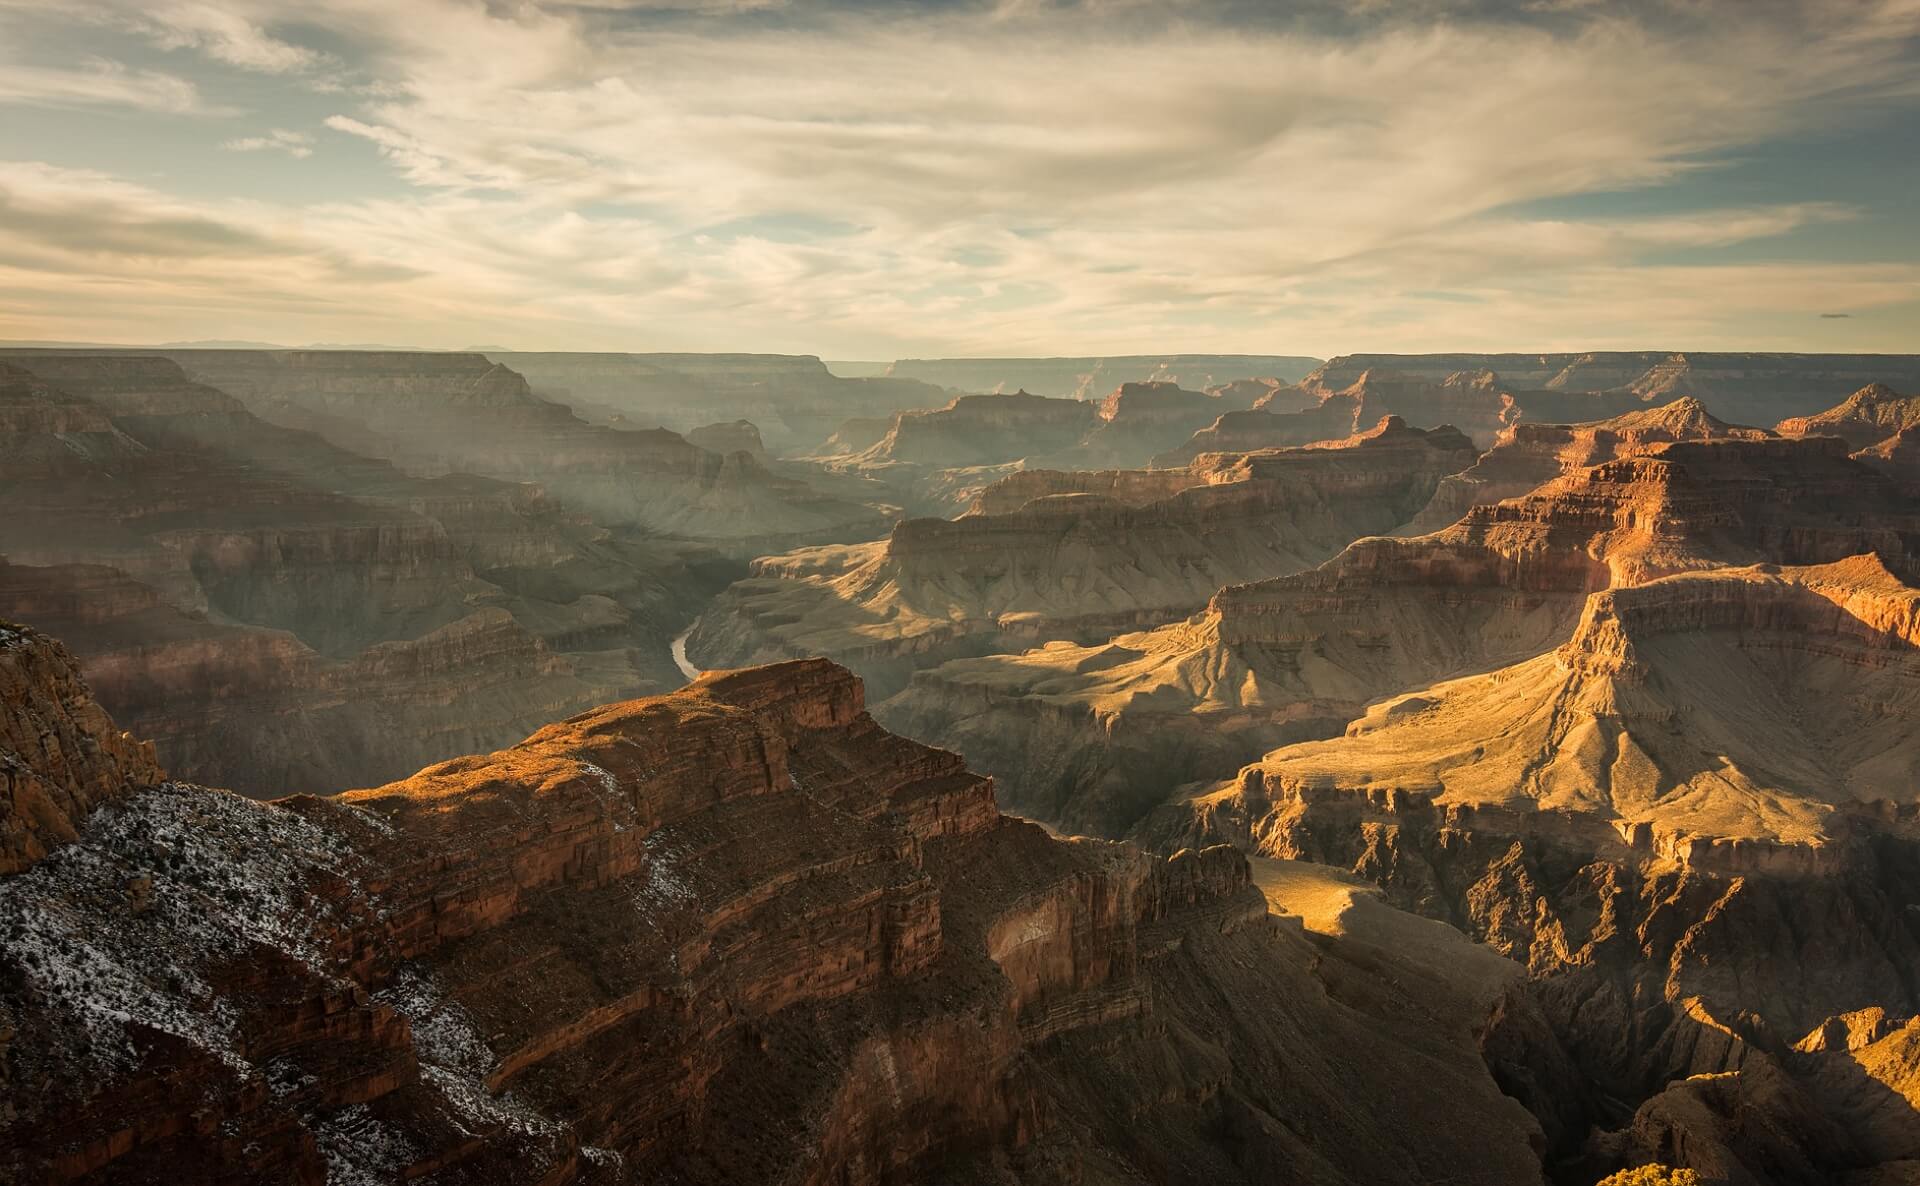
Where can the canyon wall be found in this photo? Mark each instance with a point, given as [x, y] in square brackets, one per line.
[734, 934]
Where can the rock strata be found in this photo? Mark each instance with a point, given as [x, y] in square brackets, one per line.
[734, 934]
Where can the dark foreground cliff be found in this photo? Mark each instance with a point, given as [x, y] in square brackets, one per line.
[735, 934]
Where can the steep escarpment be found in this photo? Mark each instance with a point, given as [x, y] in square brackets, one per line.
[60, 755]
[1528, 454]
[793, 399]
[1864, 419]
[1695, 867]
[1076, 565]
[227, 583]
[440, 413]
[1094, 736]
[734, 934]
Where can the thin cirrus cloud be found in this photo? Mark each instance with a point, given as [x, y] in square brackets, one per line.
[973, 178]
[298, 145]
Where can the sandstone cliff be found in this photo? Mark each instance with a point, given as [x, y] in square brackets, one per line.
[1695, 865]
[1529, 454]
[735, 934]
[1074, 563]
[1094, 736]
[1864, 419]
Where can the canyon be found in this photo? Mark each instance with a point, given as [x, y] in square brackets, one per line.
[1050, 556]
[737, 933]
[1420, 767]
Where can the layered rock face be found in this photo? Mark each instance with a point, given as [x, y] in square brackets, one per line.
[1695, 823]
[268, 606]
[734, 934]
[1086, 378]
[434, 414]
[60, 756]
[1864, 419]
[1267, 427]
[1527, 455]
[1094, 736]
[793, 399]
[1073, 562]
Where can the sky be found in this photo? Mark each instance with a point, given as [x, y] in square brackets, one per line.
[861, 179]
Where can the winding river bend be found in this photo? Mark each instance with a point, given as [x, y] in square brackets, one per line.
[680, 659]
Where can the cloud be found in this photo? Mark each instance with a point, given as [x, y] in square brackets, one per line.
[295, 144]
[1030, 176]
[98, 82]
[223, 33]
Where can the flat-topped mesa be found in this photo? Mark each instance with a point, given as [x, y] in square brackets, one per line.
[986, 430]
[129, 385]
[1867, 614]
[1527, 455]
[707, 938]
[1666, 716]
[60, 756]
[1866, 418]
[1068, 561]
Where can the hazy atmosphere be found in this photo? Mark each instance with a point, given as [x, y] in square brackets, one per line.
[867, 180]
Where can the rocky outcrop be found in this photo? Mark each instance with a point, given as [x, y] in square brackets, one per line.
[986, 430]
[60, 756]
[1076, 565]
[1086, 378]
[1267, 428]
[433, 414]
[1095, 736]
[1527, 455]
[1693, 866]
[734, 436]
[734, 934]
[1864, 419]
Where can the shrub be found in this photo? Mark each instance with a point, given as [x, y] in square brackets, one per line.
[1652, 1175]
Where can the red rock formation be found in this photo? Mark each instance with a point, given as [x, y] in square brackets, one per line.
[1074, 565]
[1866, 418]
[1095, 736]
[1528, 454]
[735, 934]
[60, 756]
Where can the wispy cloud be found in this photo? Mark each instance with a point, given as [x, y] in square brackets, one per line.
[294, 144]
[1030, 176]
